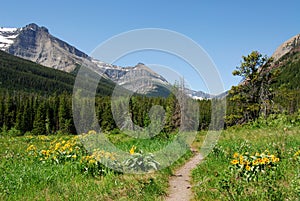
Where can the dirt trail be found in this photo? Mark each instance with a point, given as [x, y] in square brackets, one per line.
[180, 187]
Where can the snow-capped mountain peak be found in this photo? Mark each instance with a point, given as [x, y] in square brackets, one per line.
[36, 44]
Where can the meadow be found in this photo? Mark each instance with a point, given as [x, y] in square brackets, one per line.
[252, 162]
[257, 161]
[59, 168]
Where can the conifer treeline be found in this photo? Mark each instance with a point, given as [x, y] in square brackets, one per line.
[37, 114]
[28, 112]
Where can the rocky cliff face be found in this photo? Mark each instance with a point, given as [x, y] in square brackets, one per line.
[291, 45]
[139, 78]
[36, 44]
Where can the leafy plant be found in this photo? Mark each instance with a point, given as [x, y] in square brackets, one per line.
[140, 162]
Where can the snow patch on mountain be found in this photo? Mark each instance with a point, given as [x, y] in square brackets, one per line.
[36, 44]
[7, 36]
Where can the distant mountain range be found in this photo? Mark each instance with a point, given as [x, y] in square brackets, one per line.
[36, 44]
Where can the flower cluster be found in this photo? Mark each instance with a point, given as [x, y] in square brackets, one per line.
[43, 138]
[31, 150]
[251, 165]
[256, 160]
[99, 162]
[97, 156]
[61, 150]
[71, 149]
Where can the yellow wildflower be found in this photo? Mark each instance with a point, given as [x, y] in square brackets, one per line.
[248, 168]
[107, 155]
[266, 160]
[113, 158]
[92, 161]
[57, 145]
[44, 152]
[234, 162]
[255, 162]
[235, 155]
[31, 148]
[132, 150]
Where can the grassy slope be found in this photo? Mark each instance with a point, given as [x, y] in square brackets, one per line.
[210, 176]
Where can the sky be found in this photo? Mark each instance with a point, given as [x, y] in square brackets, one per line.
[225, 30]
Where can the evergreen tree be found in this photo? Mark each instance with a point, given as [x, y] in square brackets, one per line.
[64, 114]
[39, 124]
[252, 97]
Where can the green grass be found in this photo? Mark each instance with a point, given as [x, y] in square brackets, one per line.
[216, 179]
[23, 177]
[26, 178]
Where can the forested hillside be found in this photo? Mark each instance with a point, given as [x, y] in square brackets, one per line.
[22, 75]
[38, 99]
[287, 86]
[268, 88]
[289, 71]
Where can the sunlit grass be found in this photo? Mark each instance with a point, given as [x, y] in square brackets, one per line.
[51, 174]
[222, 177]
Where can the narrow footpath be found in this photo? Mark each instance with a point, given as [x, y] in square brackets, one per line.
[179, 184]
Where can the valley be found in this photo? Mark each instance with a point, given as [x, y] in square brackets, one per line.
[44, 157]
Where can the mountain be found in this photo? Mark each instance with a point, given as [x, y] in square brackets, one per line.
[36, 44]
[287, 60]
[197, 95]
[18, 74]
[139, 78]
[288, 47]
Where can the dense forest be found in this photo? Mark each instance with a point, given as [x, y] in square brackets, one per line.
[38, 100]
[28, 112]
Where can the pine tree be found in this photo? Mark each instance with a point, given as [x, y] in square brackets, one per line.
[251, 98]
[39, 124]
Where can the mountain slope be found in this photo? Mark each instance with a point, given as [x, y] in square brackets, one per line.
[288, 47]
[287, 60]
[36, 44]
[20, 74]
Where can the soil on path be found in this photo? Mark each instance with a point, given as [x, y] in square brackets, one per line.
[179, 184]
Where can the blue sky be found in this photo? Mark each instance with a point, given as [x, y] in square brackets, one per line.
[225, 29]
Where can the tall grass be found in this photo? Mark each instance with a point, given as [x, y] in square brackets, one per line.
[216, 178]
[24, 177]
